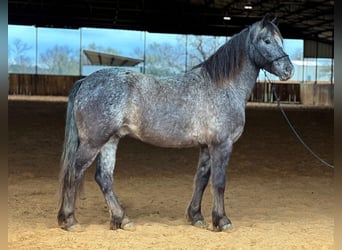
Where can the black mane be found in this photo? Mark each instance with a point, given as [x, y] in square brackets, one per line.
[226, 62]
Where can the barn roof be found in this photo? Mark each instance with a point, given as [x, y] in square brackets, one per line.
[301, 19]
[100, 58]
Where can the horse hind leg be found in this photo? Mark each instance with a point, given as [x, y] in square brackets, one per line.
[194, 213]
[72, 182]
[104, 177]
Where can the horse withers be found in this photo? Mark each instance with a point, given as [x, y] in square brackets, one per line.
[204, 107]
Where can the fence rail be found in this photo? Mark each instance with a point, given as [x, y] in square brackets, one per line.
[290, 92]
[287, 92]
[32, 84]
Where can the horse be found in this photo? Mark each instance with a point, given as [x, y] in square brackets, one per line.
[203, 107]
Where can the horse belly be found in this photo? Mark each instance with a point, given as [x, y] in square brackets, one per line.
[163, 135]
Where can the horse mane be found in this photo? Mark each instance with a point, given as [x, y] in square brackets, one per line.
[226, 62]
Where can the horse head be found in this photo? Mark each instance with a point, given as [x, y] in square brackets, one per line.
[267, 51]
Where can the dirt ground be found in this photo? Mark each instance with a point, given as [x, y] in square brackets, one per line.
[277, 195]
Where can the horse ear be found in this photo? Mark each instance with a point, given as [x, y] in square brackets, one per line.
[275, 20]
[265, 20]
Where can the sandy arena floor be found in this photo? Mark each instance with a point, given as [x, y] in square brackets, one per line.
[278, 196]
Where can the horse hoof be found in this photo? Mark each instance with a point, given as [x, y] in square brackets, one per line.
[227, 227]
[73, 228]
[199, 223]
[127, 225]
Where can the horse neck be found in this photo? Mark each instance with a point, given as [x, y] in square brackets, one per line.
[244, 82]
[239, 74]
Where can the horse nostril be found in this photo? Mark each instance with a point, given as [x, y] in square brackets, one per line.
[288, 68]
[288, 72]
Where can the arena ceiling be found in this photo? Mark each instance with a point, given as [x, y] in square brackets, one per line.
[301, 19]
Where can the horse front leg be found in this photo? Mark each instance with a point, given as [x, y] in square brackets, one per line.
[219, 155]
[194, 213]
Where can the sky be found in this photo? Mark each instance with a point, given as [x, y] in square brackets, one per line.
[123, 41]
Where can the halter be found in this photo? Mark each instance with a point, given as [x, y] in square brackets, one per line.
[278, 58]
[272, 61]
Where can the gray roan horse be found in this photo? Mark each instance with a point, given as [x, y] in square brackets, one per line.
[203, 107]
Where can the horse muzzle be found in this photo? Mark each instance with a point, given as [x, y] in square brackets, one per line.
[283, 68]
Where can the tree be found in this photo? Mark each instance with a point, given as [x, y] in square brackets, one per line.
[59, 60]
[162, 59]
[201, 47]
[19, 62]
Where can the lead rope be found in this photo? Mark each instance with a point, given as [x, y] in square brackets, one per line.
[291, 126]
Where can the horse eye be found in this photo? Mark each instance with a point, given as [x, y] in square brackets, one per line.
[267, 41]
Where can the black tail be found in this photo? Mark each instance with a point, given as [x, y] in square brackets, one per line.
[70, 141]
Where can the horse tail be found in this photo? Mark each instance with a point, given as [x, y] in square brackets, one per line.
[71, 142]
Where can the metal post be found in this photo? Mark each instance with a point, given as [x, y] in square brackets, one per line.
[80, 68]
[144, 69]
[36, 68]
[186, 53]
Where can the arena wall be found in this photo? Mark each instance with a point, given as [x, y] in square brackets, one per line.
[289, 92]
[34, 84]
[317, 94]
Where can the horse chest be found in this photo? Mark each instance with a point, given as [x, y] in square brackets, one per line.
[223, 128]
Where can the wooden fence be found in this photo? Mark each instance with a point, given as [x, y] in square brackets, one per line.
[317, 94]
[30, 84]
[289, 92]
